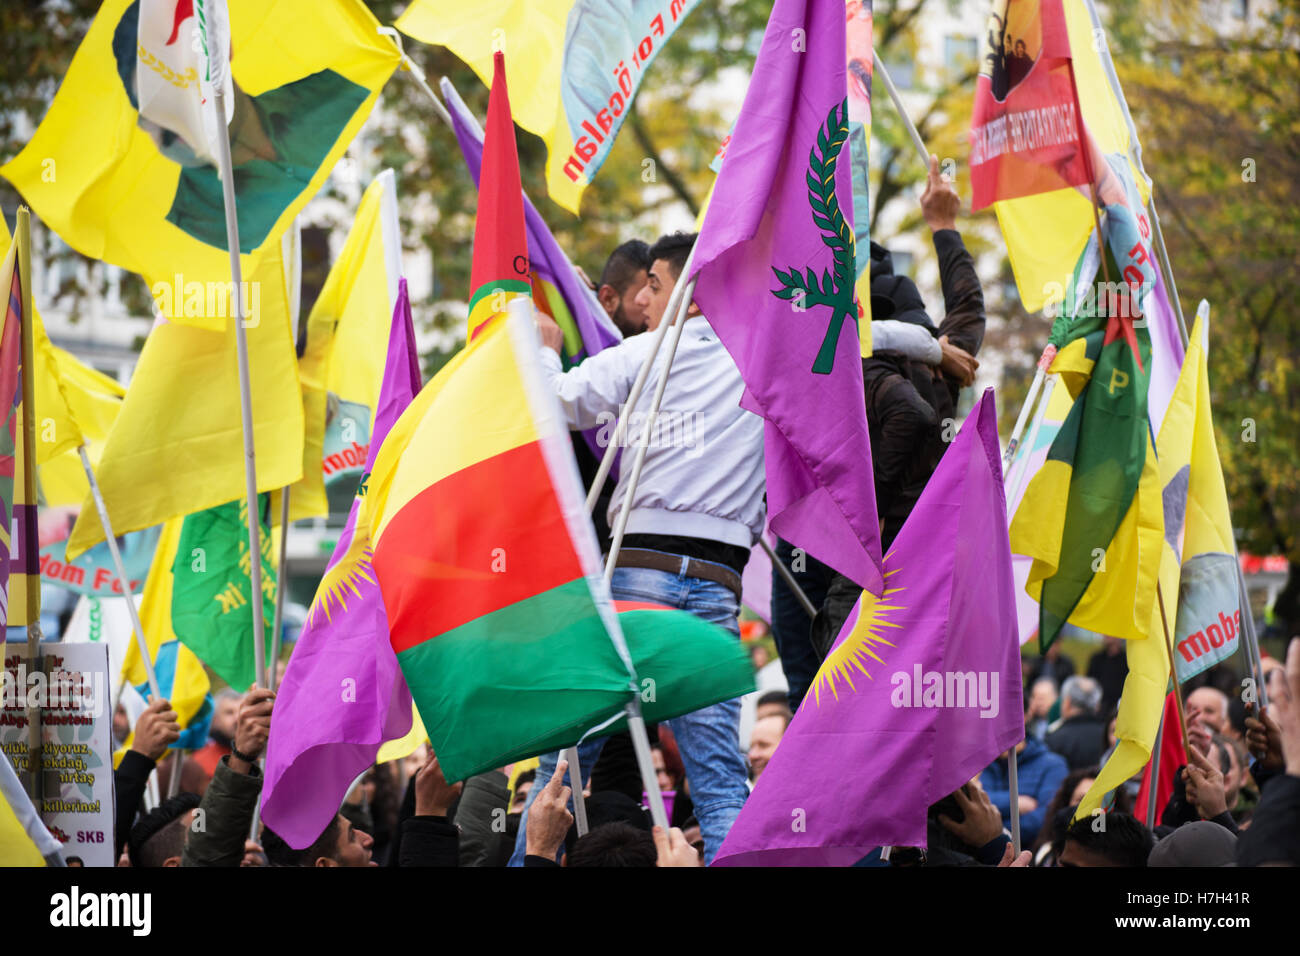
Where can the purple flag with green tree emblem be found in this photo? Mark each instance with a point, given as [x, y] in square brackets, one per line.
[775, 267]
[920, 691]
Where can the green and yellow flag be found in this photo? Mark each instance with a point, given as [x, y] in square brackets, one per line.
[211, 585]
[145, 196]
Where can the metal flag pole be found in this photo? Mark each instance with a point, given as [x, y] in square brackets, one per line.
[1163, 255]
[120, 568]
[416, 72]
[902, 110]
[214, 41]
[788, 577]
[1019, 475]
[638, 385]
[1013, 782]
[620, 526]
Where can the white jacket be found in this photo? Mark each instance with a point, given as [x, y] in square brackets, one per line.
[703, 473]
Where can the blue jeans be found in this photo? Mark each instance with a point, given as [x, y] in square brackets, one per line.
[790, 622]
[708, 739]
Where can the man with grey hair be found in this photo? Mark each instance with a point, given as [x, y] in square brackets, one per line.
[1080, 735]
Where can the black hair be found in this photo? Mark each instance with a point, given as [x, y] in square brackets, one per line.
[623, 265]
[674, 249]
[614, 844]
[1122, 842]
[159, 834]
[279, 853]
[774, 697]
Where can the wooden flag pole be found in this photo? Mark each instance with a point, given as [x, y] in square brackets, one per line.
[25, 524]
[120, 568]
[1173, 669]
[216, 51]
[1154, 788]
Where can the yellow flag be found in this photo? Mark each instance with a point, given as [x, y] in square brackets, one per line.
[74, 403]
[572, 67]
[1143, 698]
[177, 445]
[128, 191]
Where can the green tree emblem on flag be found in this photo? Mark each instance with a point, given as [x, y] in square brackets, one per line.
[835, 291]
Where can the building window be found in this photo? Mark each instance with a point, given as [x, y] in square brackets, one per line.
[959, 54]
[901, 72]
[902, 263]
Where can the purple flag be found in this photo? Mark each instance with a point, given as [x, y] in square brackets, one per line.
[920, 692]
[343, 694]
[775, 262]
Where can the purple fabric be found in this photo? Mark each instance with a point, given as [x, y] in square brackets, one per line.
[343, 694]
[756, 582]
[820, 494]
[867, 753]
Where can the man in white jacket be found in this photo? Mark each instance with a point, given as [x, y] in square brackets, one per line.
[695, 514]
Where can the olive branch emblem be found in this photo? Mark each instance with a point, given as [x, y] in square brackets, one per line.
[836, 288]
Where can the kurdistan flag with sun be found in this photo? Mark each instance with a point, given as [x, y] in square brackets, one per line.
[921, 690]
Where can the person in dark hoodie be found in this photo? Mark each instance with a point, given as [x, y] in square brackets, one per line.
[911, 405]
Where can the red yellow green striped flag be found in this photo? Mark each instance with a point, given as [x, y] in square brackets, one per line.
[491, 581]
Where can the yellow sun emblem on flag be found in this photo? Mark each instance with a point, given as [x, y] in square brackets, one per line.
[345, 577]
[856, 651]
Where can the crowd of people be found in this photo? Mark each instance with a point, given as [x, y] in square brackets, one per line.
[691, 524]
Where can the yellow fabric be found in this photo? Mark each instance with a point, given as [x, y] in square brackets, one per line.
[1209, 522]
[1118, 599]
[1046, 234]
[74, 404]
[16, 847]
[405, 746]
[1143, 697]
[491, 305]
[431, 447]
[97, 178]
[534, 38]
[177, 445]
[354, 306]
[15, 609]
[347, 342]
[191, 682]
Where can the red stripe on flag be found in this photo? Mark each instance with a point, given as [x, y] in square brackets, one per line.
[622, 606]
[479, 540]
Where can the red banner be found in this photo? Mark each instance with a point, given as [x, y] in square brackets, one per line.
[1024, 127]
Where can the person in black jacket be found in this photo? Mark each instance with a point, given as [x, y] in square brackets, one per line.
[154, 731]
[911, 406]
[1079, 737]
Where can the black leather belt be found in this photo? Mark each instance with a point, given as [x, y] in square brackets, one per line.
[672, 563]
